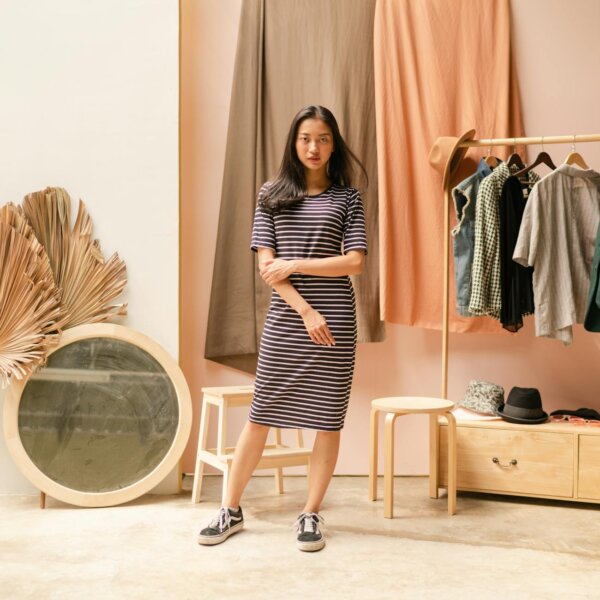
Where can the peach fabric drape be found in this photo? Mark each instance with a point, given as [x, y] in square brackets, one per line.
[442, 67]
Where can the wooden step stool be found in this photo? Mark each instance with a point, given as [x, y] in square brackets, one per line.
[275, 456]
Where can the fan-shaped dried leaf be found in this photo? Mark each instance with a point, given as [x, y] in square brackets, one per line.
[87, 282]
[29, 299]
[13, 215]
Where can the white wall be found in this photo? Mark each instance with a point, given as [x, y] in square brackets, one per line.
[556, 46]
[89, 102]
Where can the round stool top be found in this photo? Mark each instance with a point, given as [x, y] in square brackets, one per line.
[413, 404]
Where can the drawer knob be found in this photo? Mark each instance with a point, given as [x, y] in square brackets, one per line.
[512, 463]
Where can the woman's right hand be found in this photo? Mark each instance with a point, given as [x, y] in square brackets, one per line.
[317, 328]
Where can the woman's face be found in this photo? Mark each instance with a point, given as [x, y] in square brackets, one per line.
[314, 144]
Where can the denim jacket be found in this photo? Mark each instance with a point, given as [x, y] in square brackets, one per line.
[465, 197]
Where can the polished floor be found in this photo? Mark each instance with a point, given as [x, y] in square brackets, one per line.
[494, 547]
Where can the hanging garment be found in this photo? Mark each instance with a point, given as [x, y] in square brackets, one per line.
[280, 67]
[486, 289]
[441, 68]
[557, 238]
[516, 283]
[463, 234]
[592, 314]
[485, 277]
[301, 384]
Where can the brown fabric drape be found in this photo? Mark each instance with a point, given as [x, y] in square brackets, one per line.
[442, 67]
[289, 54]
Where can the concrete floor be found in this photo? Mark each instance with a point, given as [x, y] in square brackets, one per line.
[495, 547]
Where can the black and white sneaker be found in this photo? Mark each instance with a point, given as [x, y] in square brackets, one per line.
[226, 523]
[309, 538]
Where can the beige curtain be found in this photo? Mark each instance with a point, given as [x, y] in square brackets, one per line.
[289, 54]
[442, 67]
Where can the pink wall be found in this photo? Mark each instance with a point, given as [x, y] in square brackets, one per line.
[555, 46]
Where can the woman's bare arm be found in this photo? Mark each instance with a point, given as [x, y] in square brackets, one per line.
[315, 323]
[276, 269]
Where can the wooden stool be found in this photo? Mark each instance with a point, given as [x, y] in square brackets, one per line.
[407, 405]
[275, 456]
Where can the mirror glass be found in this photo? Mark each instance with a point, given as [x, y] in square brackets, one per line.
[100, 416]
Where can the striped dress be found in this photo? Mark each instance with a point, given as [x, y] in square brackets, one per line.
[300, 384]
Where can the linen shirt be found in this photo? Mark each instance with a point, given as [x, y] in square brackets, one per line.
[557, 238]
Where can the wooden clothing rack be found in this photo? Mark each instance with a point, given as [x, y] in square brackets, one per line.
[486, 143]
[477, 475]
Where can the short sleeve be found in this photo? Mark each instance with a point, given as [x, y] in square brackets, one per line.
[355, 234]
[526, 247]
[263, 230]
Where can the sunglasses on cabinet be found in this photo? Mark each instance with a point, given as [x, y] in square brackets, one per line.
[574, 420]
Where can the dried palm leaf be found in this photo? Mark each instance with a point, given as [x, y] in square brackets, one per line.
[87, 282]
[13, 215]
[29, 299]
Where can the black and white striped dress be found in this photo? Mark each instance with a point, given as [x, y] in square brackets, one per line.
[300, 384]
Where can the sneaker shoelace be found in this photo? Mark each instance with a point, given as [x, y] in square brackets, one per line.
[222, 521]
[308, 523]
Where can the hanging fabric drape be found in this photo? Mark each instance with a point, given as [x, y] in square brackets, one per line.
[289, 55]
[439, 67]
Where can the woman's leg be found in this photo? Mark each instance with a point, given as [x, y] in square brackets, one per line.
[248, 451]
[322, 464]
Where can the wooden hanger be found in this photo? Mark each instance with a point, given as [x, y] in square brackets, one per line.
[543, 158]
[491, 161]
[574, 158]
[515, 160]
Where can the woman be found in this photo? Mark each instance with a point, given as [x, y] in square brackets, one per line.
[309, 233]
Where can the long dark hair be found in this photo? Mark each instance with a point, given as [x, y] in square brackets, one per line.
[289, 186]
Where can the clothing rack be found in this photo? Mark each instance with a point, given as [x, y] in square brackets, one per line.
[516, 141]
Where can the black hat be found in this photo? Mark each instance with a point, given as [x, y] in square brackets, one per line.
[523, 405]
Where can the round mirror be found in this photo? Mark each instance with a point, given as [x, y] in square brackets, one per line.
[104, 421]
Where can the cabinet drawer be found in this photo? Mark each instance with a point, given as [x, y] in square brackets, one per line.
[544, 461]
[589, 467]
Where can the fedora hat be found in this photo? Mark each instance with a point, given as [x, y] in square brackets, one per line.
[523, 405]
[443, 149]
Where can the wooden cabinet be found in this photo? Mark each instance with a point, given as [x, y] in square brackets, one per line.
[553, 460]
[589, 467]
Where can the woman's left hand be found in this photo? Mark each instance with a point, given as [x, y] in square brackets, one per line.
[274, 270]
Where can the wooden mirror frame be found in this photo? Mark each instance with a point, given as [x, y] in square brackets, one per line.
[135, 490]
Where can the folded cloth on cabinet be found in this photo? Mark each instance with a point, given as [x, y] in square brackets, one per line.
[464, 414]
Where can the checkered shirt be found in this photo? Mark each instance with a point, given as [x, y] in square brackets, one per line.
[486, 291]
